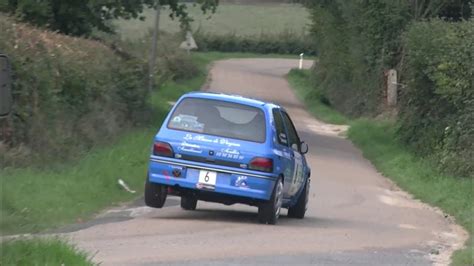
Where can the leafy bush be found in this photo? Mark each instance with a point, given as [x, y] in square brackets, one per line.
[437, 110]
[172, 62]
[82, 18]
[282, 43]
[357, 41]
[316, 102]
[71, 94]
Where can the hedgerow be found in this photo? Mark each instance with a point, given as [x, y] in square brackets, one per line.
[437, 108]
[71, 94]
[282, 43]
[431, 47]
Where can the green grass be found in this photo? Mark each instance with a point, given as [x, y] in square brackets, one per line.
[308, 93]
[378, 142]
[33, 199]
[229, 18]
[41, 252]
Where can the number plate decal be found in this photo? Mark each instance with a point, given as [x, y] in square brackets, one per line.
[207, 179]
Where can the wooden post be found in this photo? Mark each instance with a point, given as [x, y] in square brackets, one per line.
[392, 86]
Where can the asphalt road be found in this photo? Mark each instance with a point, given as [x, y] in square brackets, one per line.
[355, 215]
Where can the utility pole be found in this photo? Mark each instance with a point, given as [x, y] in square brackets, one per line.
[151, 66]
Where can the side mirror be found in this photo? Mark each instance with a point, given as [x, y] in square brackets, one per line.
[6, 100]
[304, 147]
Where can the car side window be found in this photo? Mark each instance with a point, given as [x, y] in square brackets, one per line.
[293, 139]
[280, 128]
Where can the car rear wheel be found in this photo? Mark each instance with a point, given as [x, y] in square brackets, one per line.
[269, 211]
[299, 209]
[188, 203]
[155, 194]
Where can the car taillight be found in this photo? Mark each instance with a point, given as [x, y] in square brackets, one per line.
[162, 149]
[261, 164]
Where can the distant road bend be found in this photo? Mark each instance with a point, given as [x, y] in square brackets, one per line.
[355, 216]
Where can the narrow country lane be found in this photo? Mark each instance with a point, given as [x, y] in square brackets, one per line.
[355, 215]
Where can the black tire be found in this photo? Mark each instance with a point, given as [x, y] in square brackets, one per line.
[188, 203]
[269, 211]
[299, 209]
[155, 194]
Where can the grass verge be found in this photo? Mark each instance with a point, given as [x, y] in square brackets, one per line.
[379, 143]
[41, 252]
[300, 81]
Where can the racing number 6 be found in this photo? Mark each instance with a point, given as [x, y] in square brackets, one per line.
[206, 178]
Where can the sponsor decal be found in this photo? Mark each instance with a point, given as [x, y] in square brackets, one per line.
[189, 147]
[228, 143]
[202, 138]
[230, 151]
[241, 181]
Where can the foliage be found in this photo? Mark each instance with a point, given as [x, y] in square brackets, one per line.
[311, 95]
[452, 10]
[67, 92]
[437, 108]
[56, 194]
[71, 94]
[358, 41]
[38, 251]
[82, 17]
[281, 43]
[172, 62]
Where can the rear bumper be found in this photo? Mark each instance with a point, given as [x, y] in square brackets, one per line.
[185, 174]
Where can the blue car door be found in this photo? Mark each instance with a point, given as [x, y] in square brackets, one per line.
[294, 144]
[285, 155]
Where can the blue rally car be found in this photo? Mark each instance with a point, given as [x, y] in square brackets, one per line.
[229, 149]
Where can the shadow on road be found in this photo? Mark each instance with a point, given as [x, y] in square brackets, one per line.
[246, 217]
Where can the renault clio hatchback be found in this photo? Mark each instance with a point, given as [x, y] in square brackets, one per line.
[229, 149]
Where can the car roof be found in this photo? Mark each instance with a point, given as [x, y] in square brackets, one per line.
[231, 98]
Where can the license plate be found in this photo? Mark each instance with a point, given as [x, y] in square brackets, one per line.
[207, 178]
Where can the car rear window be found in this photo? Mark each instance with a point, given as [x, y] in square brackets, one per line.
[219, 118]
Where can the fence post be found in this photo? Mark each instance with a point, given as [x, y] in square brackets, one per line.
[301, 61]
[392, 85]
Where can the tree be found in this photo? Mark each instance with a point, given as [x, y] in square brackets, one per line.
[446, 9]
[81, 17]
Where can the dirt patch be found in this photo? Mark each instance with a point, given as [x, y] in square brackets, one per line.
[326, 129]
